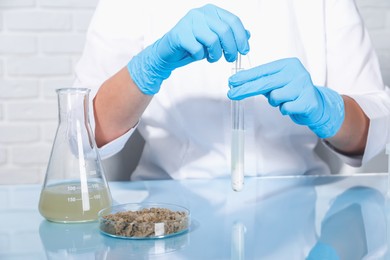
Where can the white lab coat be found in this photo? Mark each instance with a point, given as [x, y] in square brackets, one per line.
[187, 125]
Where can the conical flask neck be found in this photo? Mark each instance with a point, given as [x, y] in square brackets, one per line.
[73, 104]
[74, 124]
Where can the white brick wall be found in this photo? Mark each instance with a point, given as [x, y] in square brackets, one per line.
[40, 41]
[376, 14]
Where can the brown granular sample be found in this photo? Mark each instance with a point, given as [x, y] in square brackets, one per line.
[148, 222]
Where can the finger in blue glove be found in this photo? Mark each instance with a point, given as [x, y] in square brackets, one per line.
[287, 85]
[206, 32]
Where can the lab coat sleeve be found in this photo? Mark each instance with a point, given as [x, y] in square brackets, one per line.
[353, 70]
[114, 36]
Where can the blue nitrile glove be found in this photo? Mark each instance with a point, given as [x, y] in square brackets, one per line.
[287, 84]
[204, 32]
[322, 251]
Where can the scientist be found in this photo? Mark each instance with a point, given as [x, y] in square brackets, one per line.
[165, 68]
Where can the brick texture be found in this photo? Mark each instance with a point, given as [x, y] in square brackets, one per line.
[40, 43]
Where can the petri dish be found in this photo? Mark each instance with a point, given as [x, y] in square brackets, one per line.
[144, 220]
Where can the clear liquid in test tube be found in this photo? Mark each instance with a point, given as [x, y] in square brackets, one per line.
[237, 139]
[388, 169]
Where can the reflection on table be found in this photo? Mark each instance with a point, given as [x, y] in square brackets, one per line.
[312, 217]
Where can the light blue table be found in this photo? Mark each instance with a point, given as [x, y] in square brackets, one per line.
[272, 218]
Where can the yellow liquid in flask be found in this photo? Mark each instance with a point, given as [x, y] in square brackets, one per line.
[70, 203]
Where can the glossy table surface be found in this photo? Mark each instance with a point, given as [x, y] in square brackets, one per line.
[271, 218]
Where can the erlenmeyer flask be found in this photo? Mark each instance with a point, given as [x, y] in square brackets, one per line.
[75, 188]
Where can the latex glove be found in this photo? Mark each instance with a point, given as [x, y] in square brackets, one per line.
[288, 85]
[322, 251]
[206, 32]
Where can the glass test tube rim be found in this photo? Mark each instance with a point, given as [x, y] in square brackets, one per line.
[237, 106]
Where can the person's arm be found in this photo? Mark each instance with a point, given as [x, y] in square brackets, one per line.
[118, 105]
[208, 32]
[353, 70]
[337, 119]
[351, 139]
[286, 84]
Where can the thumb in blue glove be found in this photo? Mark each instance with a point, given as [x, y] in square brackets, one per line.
[288, 85]
[206, 32]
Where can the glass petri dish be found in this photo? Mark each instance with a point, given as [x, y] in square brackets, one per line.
[144, 220]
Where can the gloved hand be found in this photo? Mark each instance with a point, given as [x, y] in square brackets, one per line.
[323, 251]
[287, 84]
[204, 32]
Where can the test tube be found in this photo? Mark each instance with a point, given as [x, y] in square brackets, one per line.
[237, 145]
[237, 251]
[388, 169]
